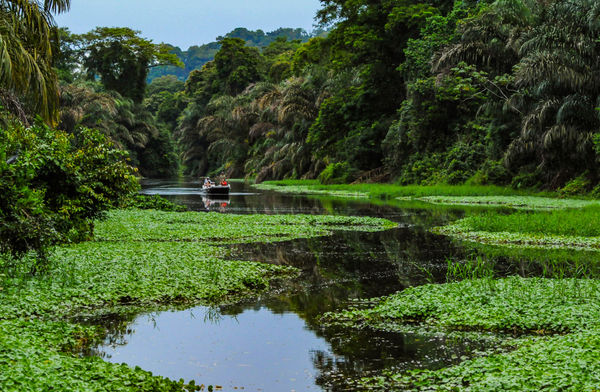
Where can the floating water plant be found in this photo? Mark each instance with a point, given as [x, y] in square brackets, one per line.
[140, 259]
[521, 202]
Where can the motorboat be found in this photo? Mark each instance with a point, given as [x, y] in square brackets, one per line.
[221, 189]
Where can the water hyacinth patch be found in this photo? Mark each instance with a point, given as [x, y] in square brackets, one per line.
[140, 259]
[557, 363]
[520, 202]
[37, 356]
[514, 304]
[564, 312]
[218, 228]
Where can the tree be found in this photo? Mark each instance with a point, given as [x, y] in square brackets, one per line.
[366, 45]
[278, 56]
[558, 77]
[56, 185]
[122, 59]
[237, 65]
[168, 83]
[26, 33]
[284, 114]
[128, 125]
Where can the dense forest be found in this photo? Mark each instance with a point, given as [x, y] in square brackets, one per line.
[198, 55]
[411, 92]
[415, 92]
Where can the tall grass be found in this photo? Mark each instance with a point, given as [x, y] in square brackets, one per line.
[394, 190]
[582, 222]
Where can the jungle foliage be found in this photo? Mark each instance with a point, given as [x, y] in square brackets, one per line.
[53, 184]
[418, 92]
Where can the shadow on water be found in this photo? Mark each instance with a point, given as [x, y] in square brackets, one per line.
[275, 342]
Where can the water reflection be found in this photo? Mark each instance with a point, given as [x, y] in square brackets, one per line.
[275, 342]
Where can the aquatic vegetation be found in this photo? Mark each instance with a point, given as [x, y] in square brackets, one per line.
[544, 309]
[226, 228]
[36, 355]
[568, 228]
[557, 363]
[522, 202]
[513, 304]
[311, 190]
[521, 239]
[541, 262]
[139, 259]
[390, 191]
[98, 274]
[571, 222]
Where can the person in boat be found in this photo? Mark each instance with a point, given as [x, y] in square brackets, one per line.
[207, 182]
[224, 182]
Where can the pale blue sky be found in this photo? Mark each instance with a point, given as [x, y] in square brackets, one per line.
[189, 22]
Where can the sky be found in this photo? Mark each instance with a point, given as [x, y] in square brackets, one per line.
[185, 23]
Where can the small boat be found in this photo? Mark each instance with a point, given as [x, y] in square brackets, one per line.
[216, 189]
[210, 188]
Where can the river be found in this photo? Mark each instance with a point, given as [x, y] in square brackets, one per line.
[274, 342]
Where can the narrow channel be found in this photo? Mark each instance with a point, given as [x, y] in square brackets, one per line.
[275, 342]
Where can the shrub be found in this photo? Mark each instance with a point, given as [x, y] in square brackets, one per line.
[337, 173]
[577, 186]
[154, 202]
[53, 185]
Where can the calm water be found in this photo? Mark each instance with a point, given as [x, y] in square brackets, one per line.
[275, 342]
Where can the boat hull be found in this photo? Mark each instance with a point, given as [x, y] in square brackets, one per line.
[217, 189]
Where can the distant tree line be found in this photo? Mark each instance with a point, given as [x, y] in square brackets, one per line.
[502, 92]
[197, 56]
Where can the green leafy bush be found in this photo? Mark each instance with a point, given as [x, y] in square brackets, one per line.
[53, 185]
[154, 202]
[336, 173]
[577, 186]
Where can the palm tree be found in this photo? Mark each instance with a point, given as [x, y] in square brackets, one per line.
[26, 31]
[129, 125]
[560, 72]
[285, 113]
[488, 39]
[193, 146]
[226, 128]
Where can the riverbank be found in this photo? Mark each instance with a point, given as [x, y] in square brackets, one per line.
[139, 259]
[392, 191]
[537, 219]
